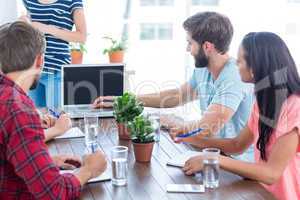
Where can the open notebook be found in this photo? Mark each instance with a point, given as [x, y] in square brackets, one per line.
[74, 132]
[180, 159]
[105, 176]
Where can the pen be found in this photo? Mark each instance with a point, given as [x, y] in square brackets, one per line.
[52, 112]
[188, 134]
[92, 148]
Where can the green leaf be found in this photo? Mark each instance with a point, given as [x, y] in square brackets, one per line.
[141, 129]
[115, 45]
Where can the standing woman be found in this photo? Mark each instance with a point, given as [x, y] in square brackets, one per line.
[55, 18]
[274, 124]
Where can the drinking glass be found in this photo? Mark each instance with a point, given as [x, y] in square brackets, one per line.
[154, 118]
[211, 167]
[91, 125]
[119, 161]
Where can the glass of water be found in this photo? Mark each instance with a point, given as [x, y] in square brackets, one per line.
[119, 156]
[91, 126]
[155, 121]
[211, 167]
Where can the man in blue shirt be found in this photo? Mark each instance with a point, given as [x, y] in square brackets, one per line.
[224, 99]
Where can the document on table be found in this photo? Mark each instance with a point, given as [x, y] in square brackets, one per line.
[105, 176]
[74, 132]
[180, 159]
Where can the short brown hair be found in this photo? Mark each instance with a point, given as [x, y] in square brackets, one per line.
[212, 27]
[20, 43]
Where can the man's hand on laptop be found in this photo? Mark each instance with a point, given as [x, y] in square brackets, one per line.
[104, 102]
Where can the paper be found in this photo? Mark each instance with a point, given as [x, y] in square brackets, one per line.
[105, 176]
[74, 132]
[185, 188]
[180, 159]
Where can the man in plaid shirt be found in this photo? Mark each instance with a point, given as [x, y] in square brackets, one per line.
[26, 169]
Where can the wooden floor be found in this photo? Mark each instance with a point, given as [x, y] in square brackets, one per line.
[148, 181]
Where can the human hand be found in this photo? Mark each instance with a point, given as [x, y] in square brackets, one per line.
[170, 121]
[68, 162]
[103, 102]
[62, 124]
[95, 163]
[48, 121]
[177, 131]
[193, 165]
[25, 18]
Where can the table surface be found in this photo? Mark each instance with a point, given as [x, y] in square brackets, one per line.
[148, 181]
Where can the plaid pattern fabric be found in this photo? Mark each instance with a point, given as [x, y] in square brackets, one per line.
[26, 169]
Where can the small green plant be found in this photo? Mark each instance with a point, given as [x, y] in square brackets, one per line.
[78, 47]
[126, 107]
[141, 130]
[115, 45]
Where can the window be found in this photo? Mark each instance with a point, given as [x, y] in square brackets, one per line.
[166, 2]
[157, 2]
[205, 2]
[165, 32]
[148, 2]
[293, 1]
[147, 32]
[152, 31]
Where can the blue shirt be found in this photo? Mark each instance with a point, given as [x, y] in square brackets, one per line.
[59, 14]
[227, 90]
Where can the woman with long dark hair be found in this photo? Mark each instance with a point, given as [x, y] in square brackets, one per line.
[274, 125]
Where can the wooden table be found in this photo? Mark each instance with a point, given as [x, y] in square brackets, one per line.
[148, 181]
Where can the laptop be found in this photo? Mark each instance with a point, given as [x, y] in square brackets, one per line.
[82, 84]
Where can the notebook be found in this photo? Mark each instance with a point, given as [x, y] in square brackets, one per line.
[180, 159]
[105, 176]
[74, 132]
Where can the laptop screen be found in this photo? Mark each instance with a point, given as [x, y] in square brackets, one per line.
[81, 84]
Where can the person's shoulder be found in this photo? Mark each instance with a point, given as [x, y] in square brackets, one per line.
[292, 104]
[231, 69]
[230, 73]
[201, 73]
[17, 101]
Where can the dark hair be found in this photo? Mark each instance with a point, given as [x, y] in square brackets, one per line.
[275, 77]
[212, 27]
[20, 43]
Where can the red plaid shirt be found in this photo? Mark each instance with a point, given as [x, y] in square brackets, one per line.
[26, 168]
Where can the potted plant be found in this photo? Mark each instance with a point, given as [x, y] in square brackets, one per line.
[126, 108]
[77, 50]
[116, 50]
[142, 136]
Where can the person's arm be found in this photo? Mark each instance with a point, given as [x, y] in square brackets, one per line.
[93, 165]
[229, 146]
[230, 92]
[169, 98]
[164, 99]
[211, 122]
[28, 155]
[79, 35]
[267, 172]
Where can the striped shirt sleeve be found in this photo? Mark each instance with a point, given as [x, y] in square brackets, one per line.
[76, 4]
